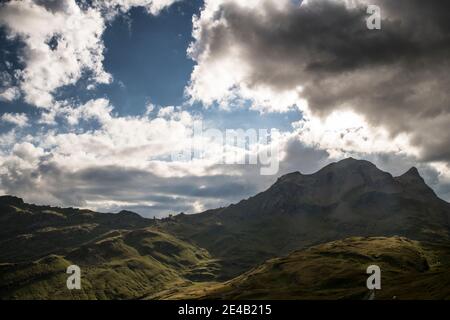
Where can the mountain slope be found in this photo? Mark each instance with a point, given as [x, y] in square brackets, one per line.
[118, 265]
[31, 232]
[121, 256]
[344, 199]
[337, 270]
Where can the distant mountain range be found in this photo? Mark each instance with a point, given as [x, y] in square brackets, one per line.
[347, 215]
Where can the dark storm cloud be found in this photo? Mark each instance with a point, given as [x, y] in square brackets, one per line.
[397, 77]
[113, 179]
[48, 183]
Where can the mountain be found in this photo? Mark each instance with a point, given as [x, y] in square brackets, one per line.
[122, 256]
[53, 230]
[337, 270]
[229, 252]
[344, 199]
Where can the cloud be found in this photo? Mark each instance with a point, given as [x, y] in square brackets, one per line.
[9, 94]
[123, 162]
[113, 188]
[62, 42]
[18, 119]
[99, 110]
[321, 57]
[346, 132]
[114, 7]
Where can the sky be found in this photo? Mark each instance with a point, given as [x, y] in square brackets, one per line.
[96, 97]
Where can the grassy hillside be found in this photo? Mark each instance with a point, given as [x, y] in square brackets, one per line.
[337, 270]
[118, 265]
[121, 256]
[31, 232]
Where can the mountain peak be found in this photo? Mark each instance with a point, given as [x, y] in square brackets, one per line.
[350, 165]
[343, 168]
[289, 177]
[352, 162]
[411, 175]
[412, 172]
[414, 181]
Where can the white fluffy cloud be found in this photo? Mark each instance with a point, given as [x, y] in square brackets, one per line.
[123, 141]
[9, 94]
[63, 42]
[343, 133]
[114, 7]
[18, 119]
